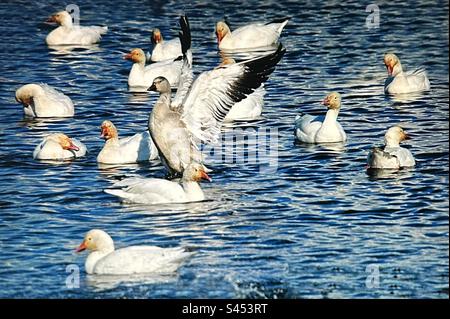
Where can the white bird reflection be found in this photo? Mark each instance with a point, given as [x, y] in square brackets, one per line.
[383, 173]
[107, 282]
[74, 50]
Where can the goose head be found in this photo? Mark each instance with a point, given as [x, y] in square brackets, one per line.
[392, 63]
[160, 84]
[136, 56]
[156, 36]
[333, 101]
[196, 172]
[222, 30]
[394, 136]
[62, 18]
[96, 240]
[65, 141]
[108, 130]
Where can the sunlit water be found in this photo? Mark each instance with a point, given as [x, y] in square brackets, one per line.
[308, 228]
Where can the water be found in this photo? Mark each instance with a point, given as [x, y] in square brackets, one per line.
[318, 226]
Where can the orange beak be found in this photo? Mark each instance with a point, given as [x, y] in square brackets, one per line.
[406, 136]
[219, 36]
[81, 247]
[73, 147]
[390, 69]
[326, 101]
[104, 133]
[128, 56]
[205, 176]
[51, 19]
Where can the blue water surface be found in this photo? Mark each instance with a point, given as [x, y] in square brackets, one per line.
[314, 225]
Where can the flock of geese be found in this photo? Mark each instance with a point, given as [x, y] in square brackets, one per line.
[176, 126]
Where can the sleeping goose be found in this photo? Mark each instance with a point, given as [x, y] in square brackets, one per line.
[321, 129]
[199, 107]
[399, 82]
[104, 259]
[161, 191]
[41, 100]
[69, 34]
[141, 76]
[133, 149]
[250, 36]
[59, 146]
[163, 49]
[391, 156]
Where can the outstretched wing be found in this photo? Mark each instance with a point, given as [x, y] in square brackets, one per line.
[214, 93]
[186, 76]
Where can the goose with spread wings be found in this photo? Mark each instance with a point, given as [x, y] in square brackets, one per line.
[200, 106]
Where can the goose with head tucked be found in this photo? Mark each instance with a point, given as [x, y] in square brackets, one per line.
[321, 129]
[249, 108]
[402, 82]
[69, 34]
[141, 76]
[160, 191]
[104, 259]
[392, 155]
[164, 49]
[199, 107]
[41, 100]
[250, 36]
[59, 146]
[133, 149]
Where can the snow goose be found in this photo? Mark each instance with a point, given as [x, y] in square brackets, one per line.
[391, 156]
[160, 191]
[399, 82]
[141, 76]
[104, 259]
[69, 34]
[321, 129]
[133, 149]
[59, 146]
[41, 100]
[250, 36]
[199, 107]
[163, 49]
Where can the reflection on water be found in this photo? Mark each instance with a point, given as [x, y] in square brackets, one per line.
[108, 282]
[381, 173]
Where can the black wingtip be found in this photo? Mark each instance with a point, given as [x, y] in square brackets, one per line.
[185, 34]
[279, 20]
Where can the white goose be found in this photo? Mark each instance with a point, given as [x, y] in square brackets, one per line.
[250, 107]
[391, 156]
[142, 76]
[319, 129]
[104, 259]
[69, 34]
[41, 100]
[199, 107]
[160, 191]
[58, 146]
[399, 82]
[250, 36]
[133, 149]
[163, 49]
